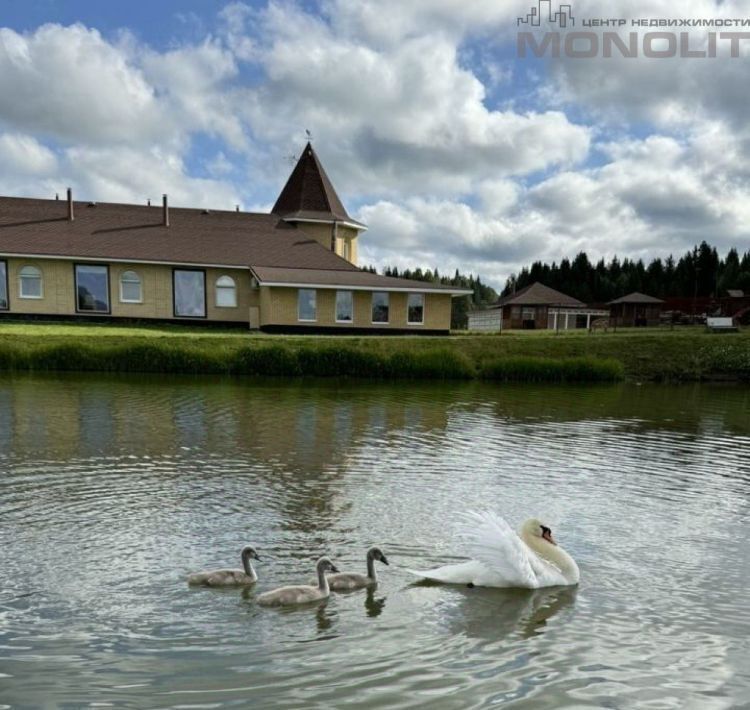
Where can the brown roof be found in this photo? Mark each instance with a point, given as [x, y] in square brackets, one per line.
[350, 279]
[309, 193]
[635, 297]
[135, 233]
[538, 295]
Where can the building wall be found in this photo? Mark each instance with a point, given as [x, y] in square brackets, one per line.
[323, 233]
[529, 317]
[278, 307]
[634, 314]
[489, 321]
[58, 279]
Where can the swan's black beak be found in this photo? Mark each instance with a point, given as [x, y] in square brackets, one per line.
[384, 559]
[547, 535]
[334, 568]
[256, 556]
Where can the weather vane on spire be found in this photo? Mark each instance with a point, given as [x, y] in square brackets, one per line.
[308, 134]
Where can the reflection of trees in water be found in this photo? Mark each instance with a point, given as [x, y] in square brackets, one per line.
[691, 408]
[299, 437]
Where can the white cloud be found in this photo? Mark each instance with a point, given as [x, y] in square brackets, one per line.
[24, 155]
[194, 83]
[670, 93]
[69, 84]
[123, 174]
[414, 117]
[406, 116]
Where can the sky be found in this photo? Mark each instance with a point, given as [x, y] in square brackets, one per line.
[453, 150]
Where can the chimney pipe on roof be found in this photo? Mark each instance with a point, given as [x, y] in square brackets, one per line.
[165, 211]
[70, 205]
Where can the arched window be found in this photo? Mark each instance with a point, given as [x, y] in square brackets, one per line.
[131, 289]
[226, 292]
[30, 283]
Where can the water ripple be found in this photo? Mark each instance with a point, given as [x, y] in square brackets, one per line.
[113, 489]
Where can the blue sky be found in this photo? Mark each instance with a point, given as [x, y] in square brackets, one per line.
[455, 152]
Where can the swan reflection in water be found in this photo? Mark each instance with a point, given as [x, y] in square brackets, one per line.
[492, 614]
[373, 605]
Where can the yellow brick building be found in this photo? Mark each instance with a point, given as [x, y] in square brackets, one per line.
[293, 270]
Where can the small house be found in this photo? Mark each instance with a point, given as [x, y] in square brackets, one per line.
[533, 308]
[635, 309]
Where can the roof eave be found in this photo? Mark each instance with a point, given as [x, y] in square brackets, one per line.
[348, 222]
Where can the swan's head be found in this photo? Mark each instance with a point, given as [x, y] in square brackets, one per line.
[325, 565]
[249, 553]
[536, 528]
[375, 553]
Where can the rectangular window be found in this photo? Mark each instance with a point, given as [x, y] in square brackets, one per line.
[307, 305]
[189, 293]
[347, 250]
[379, 307]
[528, 314]
[3, 286]
[92, 288]
[344, 307]
[415, 309]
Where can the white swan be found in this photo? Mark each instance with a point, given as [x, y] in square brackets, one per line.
[349, 581]
[229, 577]
[289, 596]
[531, 559]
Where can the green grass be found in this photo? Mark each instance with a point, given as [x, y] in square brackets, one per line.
[687, 354]
[547, 369]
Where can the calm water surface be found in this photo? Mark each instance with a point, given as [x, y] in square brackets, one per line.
[112, 490]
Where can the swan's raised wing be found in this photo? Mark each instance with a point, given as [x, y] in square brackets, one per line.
[496, 545]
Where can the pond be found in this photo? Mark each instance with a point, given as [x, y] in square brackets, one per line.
[113, 489]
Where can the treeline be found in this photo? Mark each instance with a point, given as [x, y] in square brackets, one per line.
[482, 294]
[699, 272]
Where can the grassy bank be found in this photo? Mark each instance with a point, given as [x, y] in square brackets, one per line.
[638, 355]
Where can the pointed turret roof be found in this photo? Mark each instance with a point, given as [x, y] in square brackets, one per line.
[309, 194]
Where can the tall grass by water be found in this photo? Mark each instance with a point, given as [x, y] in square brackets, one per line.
[545, 369]
[636, 355]
[331, 360]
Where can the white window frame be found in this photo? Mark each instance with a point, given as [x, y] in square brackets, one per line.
[315, 305]
[372, 308]
[415, 322]
[137, 279]
[229, 284]
[38, 275]
[336, 306]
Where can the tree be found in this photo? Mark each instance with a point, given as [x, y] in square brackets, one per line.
[699, 271]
